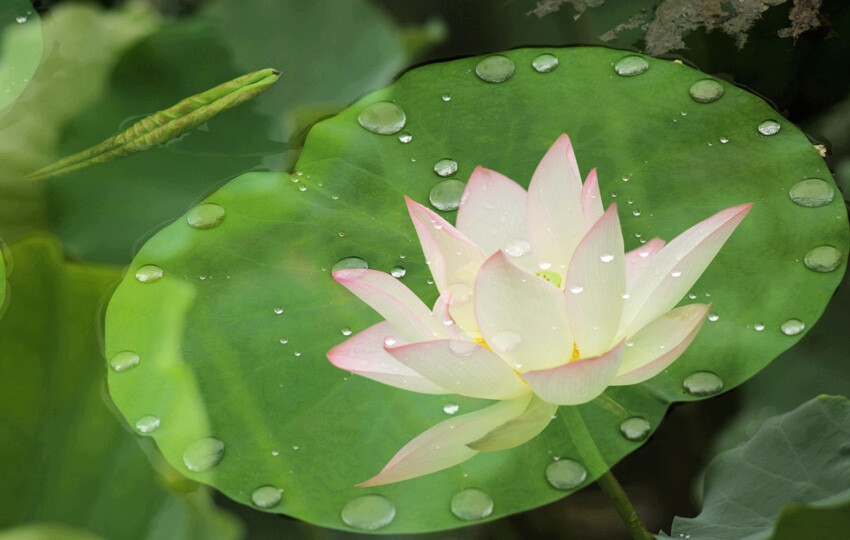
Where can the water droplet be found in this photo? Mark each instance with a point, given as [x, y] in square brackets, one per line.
[284, 341]
[345, 332]
[823, 259]
[368, 513]
[495, 69]
[445, 167]
[350, 263]
[20, 19]
[398, 271]
[383, 118]
[203, 454]
[811, 193]
[724, 140]
[565, 474]
[506, 341]
[205, 216]
[124, 361]
[606, 257]
[576, 290]
[706, 91]
[389, 341]
[405, 137]
[149, 273]
[635, 428]
[266, 496]
[758, 327]
[518, 247]
[702, 383]
[446, 195]
[792, 327]
[147, 423]
[278, 310]
[769, 127]
[450, 408]
[630, 66]
[636, 212]
[676, 273]
[446, 97]
[545, 63]
[713, 317]
[471, 504]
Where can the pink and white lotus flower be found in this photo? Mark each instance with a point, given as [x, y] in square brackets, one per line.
[539, 307]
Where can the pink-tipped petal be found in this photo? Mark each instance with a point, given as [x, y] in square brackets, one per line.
[445, 444]
[579, 381]
[554, 219]
[441, 313]
[395, 302]
[675, 269]
[453, 260]
[638, 259]
[521, 316]
[492, 214]
[591, 200]
[462, 367]
[518, 430]
[364, 354]
[660, 342]
[595, 285]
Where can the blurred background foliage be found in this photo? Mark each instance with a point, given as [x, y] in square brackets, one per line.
[104, 64]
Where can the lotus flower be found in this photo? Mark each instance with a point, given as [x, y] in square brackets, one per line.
[539, 306]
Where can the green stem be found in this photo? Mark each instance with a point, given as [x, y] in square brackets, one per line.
[617, 496]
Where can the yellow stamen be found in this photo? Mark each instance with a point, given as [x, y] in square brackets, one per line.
[480, 341]
[576, 354]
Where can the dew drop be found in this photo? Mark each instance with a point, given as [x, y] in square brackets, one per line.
[383, 118]
[713, 316]
[398, 271]
[20, 19]
[702, 383]
[147, 423]
[495, 69]
[769, 127]
[758, 327]
[350, 263]
[518, 247]
[676, 273]
[545, 63]
[506, 341]
[345, 332]
[124, 361]
[205, 216]
[565, 474]
[706, 91]
[445, 167]
[792, 327]
[405, 137]
[576, 290]
[203, 454]
[450, 408]
[606, 257]
[811, 193]
[446, 195]
[635, 212]
[635, 428]
[368, 512]
[149, 273]
[446, 97]
[266, 496]
[823, 259]
[472, 504]
[632, 65]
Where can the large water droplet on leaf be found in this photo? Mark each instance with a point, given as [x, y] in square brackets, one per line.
[630, 66]
[635, 428]
[203, 454]
[823, 259]
[147, 423]
[383, 118]
[205, 216]
[266, 496]
[445, 167]
[706, 91]
[811, 193]
[350, 263]
[398, 272]
[472, 504]
[446, 195]
[702, 383]
[792, 327]
[565, 474]
[124, 361]
[769, 127]
[149, 273]
[545, 63]
[495, 69]
[368, 513]
[450, 408]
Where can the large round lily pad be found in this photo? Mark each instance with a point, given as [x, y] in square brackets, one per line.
[232, 338]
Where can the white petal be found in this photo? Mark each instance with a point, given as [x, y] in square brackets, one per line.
[554, 219]
[521, 316]
[660, 342]
[445, 444]
[675, 269]
[441, 313]
[591, 200]
[595, 285]
[579, 381]
[364, 354]
[462, 367]
[518, 430]
[638, 259]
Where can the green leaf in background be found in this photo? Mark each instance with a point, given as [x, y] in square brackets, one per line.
[790, 481]
[74, 463]
[266, 309]
[20, 48]
[47, 531]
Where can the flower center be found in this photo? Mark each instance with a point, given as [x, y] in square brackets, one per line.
[552, 277]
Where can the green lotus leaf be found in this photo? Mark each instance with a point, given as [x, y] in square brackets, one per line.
[265, 309]
[75, 463]
[788, 482]
[20, 48]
